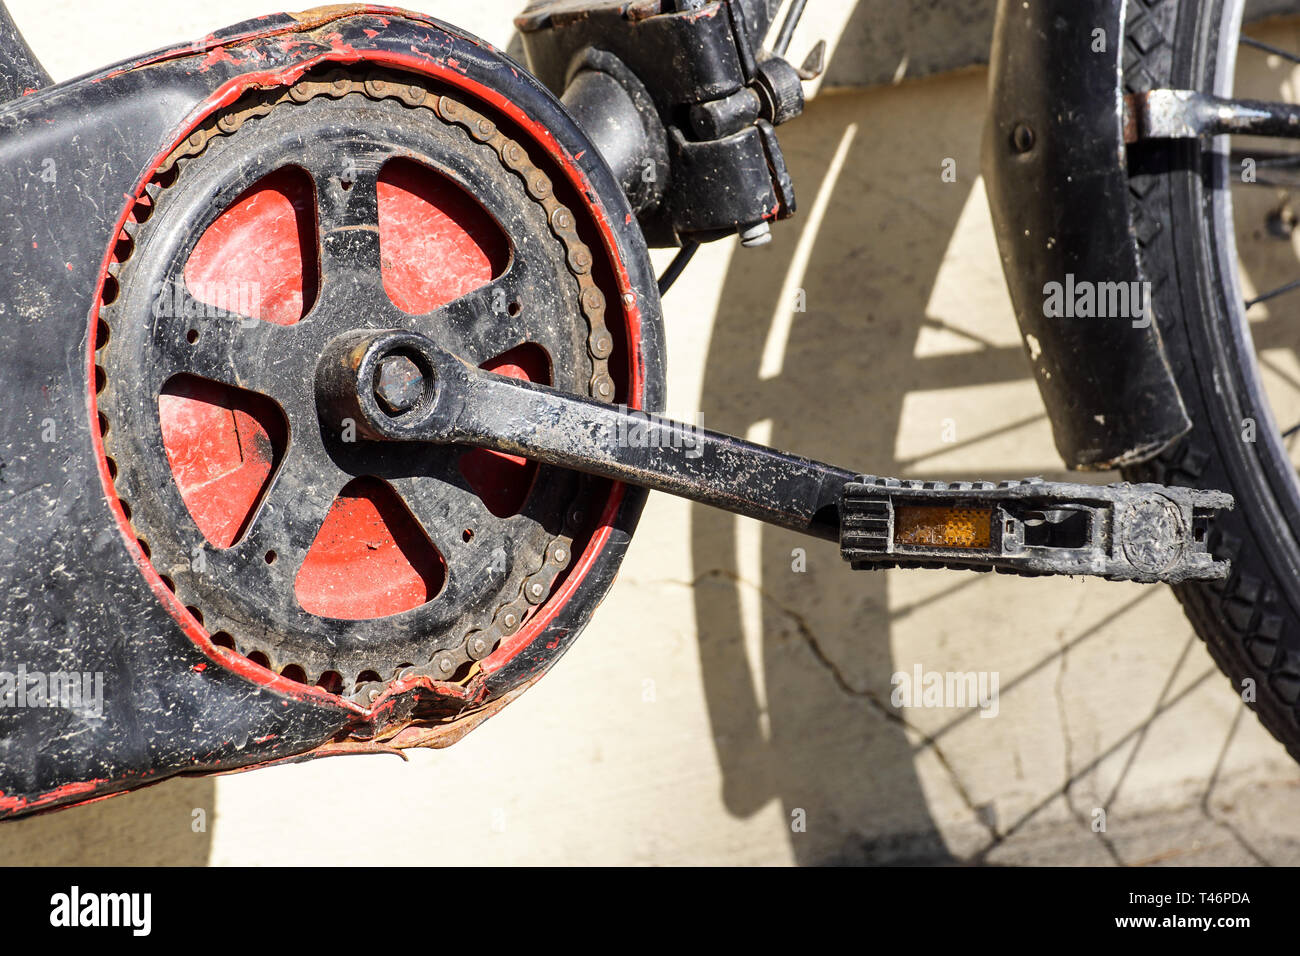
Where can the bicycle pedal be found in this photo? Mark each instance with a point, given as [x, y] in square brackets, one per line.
[1122, 532]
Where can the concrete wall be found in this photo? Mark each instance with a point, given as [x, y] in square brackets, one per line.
[725, 706]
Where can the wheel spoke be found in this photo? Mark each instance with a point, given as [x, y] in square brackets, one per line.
[1269, 48]
[1274, 293]
[1271, 168]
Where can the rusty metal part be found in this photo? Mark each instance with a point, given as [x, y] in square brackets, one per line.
[1189, 114]
[399, 385]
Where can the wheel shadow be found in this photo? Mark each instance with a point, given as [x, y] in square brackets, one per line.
[804, 718]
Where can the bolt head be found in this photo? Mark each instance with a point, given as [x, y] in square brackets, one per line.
[1022, 138]
[399, 384]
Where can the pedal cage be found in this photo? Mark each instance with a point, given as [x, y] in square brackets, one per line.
[1122, 532]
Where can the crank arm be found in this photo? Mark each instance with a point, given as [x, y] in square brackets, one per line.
[1146, 533]
[457, 403]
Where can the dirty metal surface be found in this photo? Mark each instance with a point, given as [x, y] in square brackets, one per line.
[77, 591]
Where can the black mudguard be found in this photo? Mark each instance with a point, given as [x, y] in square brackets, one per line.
[1054, 165]
[74, 597]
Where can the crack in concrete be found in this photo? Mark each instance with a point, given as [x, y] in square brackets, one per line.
[1208, 811]
[810, 640]
[982, 855]
[1067, 743]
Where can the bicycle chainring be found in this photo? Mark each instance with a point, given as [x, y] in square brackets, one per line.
[344, 201]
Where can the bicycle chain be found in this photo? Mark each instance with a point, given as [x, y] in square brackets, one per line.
[536, 586]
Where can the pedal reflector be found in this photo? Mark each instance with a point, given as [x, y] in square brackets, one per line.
[921, 526]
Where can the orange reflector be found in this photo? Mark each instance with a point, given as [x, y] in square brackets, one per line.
[928, 526]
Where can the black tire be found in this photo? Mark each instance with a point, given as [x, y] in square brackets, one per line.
[1182, 216]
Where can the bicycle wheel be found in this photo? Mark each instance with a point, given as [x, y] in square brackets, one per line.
[1182, 200]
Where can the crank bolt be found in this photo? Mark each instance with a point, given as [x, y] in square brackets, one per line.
[399, 385]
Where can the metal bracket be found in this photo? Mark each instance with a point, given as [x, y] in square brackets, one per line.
[1188, 114]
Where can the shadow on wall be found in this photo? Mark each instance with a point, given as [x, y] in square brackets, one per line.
[809, 721]
[885, 40]
[151, 827]
[805, 717]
